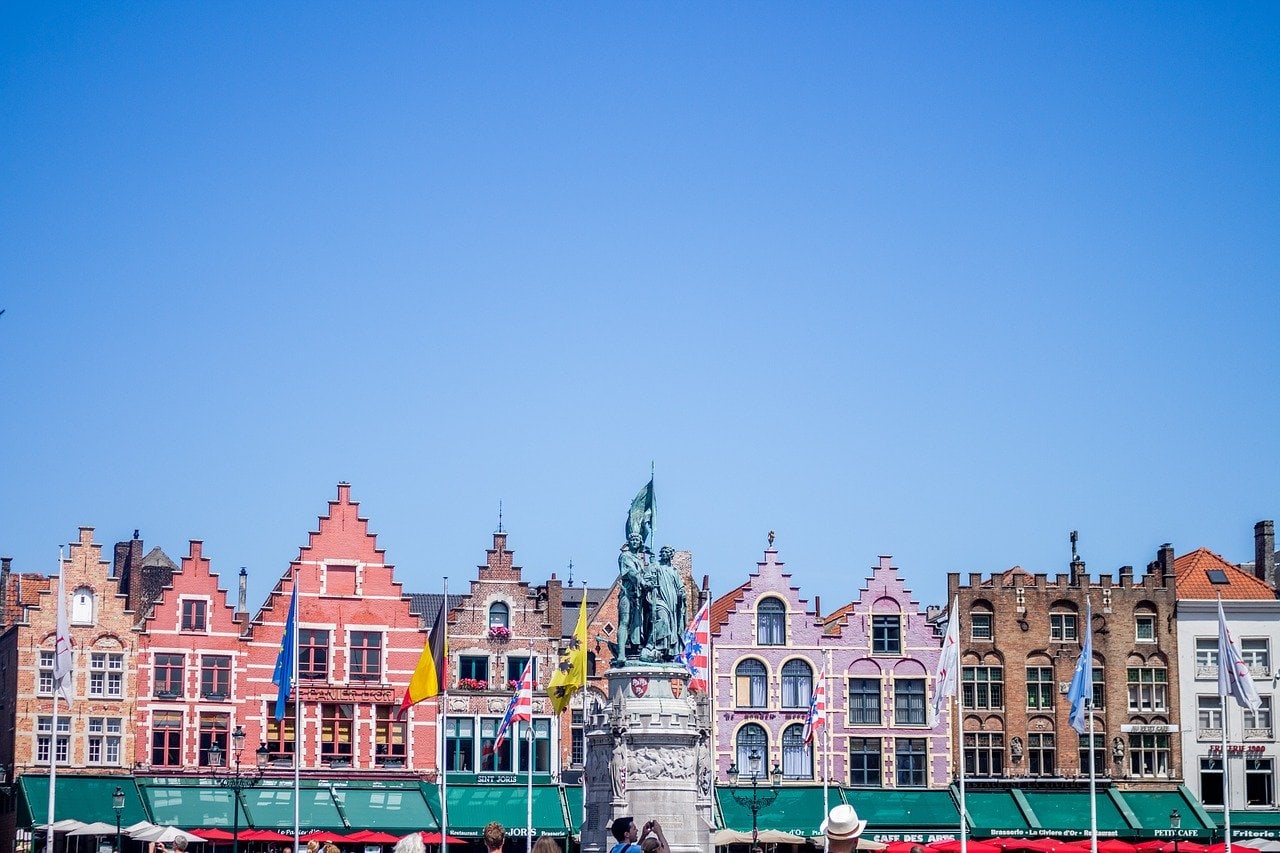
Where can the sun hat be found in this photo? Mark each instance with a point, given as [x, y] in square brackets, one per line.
[842, 824]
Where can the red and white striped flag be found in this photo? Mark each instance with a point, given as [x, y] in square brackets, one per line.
[697, 637]
[817, 716]
[520, 707]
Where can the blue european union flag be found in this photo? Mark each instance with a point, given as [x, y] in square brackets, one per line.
[283, 676]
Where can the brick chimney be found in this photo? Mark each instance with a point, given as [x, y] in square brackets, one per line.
[5, 563]
[1264, 552]
[1164, 559]
[555, 601]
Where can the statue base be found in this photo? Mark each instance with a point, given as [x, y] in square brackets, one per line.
[649, 757]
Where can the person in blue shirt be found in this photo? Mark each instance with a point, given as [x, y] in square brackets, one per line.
[625, 832]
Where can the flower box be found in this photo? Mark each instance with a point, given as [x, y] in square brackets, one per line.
[472, 684]
[499, 632]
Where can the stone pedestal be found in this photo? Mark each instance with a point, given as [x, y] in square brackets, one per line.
[648, 756]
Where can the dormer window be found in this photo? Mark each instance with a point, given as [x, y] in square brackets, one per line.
[82, 606]
[193, 615]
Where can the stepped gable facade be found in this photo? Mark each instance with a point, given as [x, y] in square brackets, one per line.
[884, 652]
[1021, 635]
[358, 644]
[190, 670]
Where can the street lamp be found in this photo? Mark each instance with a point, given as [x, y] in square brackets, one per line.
[236, 779]
[758, 799]
[117, 803]
[1175, 823]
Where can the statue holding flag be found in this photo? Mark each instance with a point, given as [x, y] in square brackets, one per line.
[652, 600]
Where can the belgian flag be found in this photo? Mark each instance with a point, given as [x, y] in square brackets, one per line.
[429, 676]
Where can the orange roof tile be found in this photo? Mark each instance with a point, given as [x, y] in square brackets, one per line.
[831, 623]
[724, 605]
[1192, 577]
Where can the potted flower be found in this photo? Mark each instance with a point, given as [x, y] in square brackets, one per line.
[472, 684]
[499, 632]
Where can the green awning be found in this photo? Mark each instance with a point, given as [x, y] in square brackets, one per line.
[397, 807]
[473, 806]
[188, 803]
[269, 805]
[1059, 814]
[85, 798]
[903, 815]
[994, 813]
[799, 809]
[573, 804]
[1253, 824]
[1151, 810]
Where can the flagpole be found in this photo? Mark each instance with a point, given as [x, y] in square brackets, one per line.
[53, 740]
[528, 835]
[1226, 775]
[964, 813]
[297, 729]
[583, 781]
[442, 681]
[826, 738]
[1088, 704]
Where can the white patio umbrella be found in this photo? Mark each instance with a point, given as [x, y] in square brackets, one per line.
[98, 827]
[140, 826]
[65, 825]
[167, 835]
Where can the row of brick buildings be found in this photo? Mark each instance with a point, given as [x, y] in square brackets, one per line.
[167, 667]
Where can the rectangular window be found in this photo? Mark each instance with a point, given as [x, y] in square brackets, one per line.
[168, 676]
[491, 760]
[515, 667]
[280, 734]
[106, 675]
[1211, 787]
[886, 635]
[541, 745]
[982, 687]
[864, 762]
[44, 735]
[980, 626]
[474, 668]
[1148, 689]
[1042, 754]
[44, 682]
[166, 739]
[390, 736]
[1144, 627]
[1062, 627]
[984, 753]
[460, 744]
[1149, 755]
[908, 702]
[1259, 782]
[1099, 754]
[577, 746]
[215, 677]
[750, 683]
[1256, 653]
[1099, 688]
[366, 655]
[193, 615]
[104, 741]
[213, 729]
[1257, 724]
[910, 762]
[1206, 657]
[1040, 687]
[313, 654]
[864, 702]
[1208, 717]
[335, 731]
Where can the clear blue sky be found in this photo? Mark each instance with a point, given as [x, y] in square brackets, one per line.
[943, 281]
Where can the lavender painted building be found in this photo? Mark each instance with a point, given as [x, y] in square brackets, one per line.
[769, 649]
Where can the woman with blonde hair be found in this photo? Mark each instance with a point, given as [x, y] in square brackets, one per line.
[546, 844]
[411, 843]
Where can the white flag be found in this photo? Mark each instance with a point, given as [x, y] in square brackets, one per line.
[1234, 679]
[947, 676]
[63, 671]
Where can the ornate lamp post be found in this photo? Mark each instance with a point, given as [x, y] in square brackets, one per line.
[117, 803]
[236, 779]
[1175, 823]
[757, 799]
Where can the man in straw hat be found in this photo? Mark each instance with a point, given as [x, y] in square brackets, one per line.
[842, 829]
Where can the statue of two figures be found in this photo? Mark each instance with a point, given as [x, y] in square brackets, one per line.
[652, 604]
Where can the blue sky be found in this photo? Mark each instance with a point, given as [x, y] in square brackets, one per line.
[942, 281]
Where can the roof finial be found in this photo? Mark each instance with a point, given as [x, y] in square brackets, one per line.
[770, 538]
[571, 574]
[500, 515]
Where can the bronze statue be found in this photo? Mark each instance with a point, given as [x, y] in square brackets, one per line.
[652, 603]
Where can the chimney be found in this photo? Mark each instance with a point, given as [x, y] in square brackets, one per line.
[1126, 576]
[1164, 557]
[555, 599]
[817, 607]
[5, 563]
[242, 606]
[1264, 552]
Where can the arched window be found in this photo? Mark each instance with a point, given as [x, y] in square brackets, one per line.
[797, 756]
[82, 606]
[752, 739]
[499, 615]
[751, 681]
[771, 622]
[797, 684]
